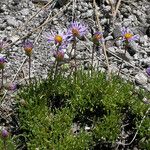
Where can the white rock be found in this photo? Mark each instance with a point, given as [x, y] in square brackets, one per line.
[141, 78]
[87, 128]
[107, 8]
[103, 21]
[126, 22]
[14, 38]
[113, 68]
[11, 21]
[25, 11]
[66, 56]
[79, 7]
[118, 43]
[9, 28]
[89, 13]
[146, 37]
[84, 4]
[109, 38]
[142, 39]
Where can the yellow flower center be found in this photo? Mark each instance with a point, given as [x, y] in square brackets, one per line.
[75, 32]
[58, 39]
[128, 36]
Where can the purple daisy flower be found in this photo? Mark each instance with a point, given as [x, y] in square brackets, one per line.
[57, 38]
[97, 38]
[148, 71]
[128, 35]
[76, 29]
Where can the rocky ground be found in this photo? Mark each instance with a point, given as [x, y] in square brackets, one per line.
[15, 27]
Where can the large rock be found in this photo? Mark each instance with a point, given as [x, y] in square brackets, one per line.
[141, 78]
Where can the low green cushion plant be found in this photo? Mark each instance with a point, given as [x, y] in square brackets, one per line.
[51, 107]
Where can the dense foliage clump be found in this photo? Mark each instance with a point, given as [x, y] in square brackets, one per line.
[82, 112]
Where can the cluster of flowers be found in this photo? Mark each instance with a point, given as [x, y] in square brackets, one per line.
[78, 30]
[61, 39]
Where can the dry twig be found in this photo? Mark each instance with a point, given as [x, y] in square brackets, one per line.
[100, 29]
[119, 143]
[117, 8]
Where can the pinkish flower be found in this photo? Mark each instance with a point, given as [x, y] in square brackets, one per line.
[76, 29]
[57, 38]
[128, 35]
[97, 38]
[28, 46]
[59, 55]
[4, 133]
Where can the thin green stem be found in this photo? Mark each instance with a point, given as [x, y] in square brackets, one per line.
[93, 49]
[56, 63]
[75, 53]
[29, 69]
[56, 69]
[5, 145]
[2, 78]
[126, 46]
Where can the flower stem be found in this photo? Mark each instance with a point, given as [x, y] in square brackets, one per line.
[2, 78]
[5, 147]
[56, 69]
[29, 69]
[56, 64]
[126, 46]
[75, 52]
[93, 49]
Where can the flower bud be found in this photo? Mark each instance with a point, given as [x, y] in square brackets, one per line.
[59, 55]
[2, 62]
[12, 86]
[4, 133]
[97, 38]
[28, 46]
